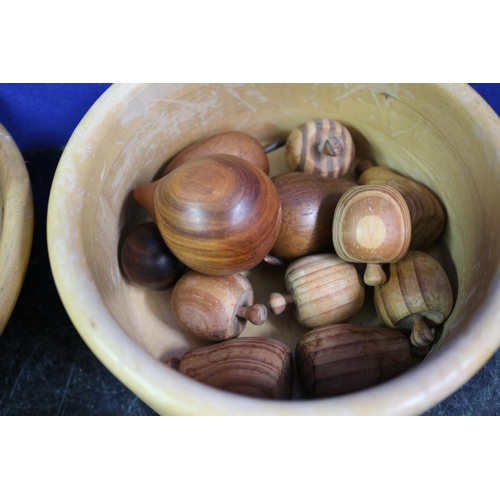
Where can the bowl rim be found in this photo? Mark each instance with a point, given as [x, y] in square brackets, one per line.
[169, 392]
[16, 228]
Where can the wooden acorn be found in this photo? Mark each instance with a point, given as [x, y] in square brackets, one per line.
[258, 367]
[426, 213]
[234, 143]
[308, 202]
[215, 308]
[218, 214]
[322, 147]
[372, 225]
[416, 295]
[147, 261]
[337, 359]
[324, 289]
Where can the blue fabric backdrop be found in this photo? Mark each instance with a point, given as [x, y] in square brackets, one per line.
[45, 115]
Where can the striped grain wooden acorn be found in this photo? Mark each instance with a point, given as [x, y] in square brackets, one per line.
[322, 147]
[323, 288]
[426, 213]
[215, 308]
[147, 261]
[258, 367]
[416, 297]
[308, 202]
[233, 142]
[372, 225]
[218, 214]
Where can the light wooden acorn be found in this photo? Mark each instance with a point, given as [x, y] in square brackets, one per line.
[258, 367]
[337, 359]
[218, 214]
[215, 308]
[233, 142]
[426, 213]
[324, 289]
[372, 225]
[308, 202]
[147, 261]
[416, 296]
[322, 147]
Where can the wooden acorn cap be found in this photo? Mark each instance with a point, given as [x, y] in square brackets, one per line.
[372, 224]
[215, 308]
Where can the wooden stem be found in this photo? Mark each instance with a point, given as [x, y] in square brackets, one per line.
[256, 314]
[374, 275]
[144, 195]
[421, 335]
[278, 302]
[274, 145]
[332, 147]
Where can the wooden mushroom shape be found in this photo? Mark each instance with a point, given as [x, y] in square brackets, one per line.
[322, 147]
[147, 261]
[426, 213]
[218, 214]
[308, 202]
[258, 367]
[372, 225]
[233, 142]
[337, 359]
[324, 289]
[416, 297]
[215, 308]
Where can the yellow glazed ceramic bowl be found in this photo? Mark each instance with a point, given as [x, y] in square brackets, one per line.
[444, 136]
[16, 224]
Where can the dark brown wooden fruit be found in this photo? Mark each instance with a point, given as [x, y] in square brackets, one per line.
[218, 214]
[234, 143]
[147, 261]
[258, 367]
[338, 359]
[308, 202]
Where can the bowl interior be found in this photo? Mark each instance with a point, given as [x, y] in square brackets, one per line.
[16, 224]
[443, 136]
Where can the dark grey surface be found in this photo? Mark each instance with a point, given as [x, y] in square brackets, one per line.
[46, 368]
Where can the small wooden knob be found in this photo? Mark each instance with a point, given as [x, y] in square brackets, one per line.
[324, 289]
[215, 308]
[322, 147]
[371, 224]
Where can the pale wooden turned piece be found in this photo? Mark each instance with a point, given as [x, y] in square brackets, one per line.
[218, 214]
[338, 359]
[215, 308]
[322, 147]
[416, 297]
[324, 289]
[308, 202]
[372, 225]
[258, 367]
[426, 213]
[234, 142]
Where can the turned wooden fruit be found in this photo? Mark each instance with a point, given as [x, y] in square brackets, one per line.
[322, 147]
[147, 261]
[372, 224]
[337, 359]
[234, 143]
[308, 202]
[324, 289]
[215, 308]
[417, 295]
[258, 367]
[426, 213]
[218, 214]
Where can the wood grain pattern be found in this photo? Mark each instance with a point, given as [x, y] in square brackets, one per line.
[322, 147]
[218, 214]
[339, 359]
[235, 143]
[258, 367]
[308, 202]
[426, 213]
